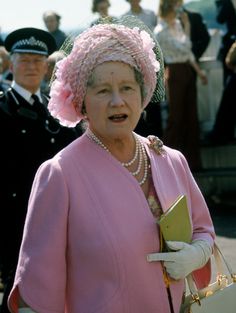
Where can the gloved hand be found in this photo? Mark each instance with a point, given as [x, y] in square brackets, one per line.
[185, 259]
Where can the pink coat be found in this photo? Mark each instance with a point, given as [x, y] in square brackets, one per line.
[89, 229]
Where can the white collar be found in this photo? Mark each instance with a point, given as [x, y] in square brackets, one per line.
[25, 93]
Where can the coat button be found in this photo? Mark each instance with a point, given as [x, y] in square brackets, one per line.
[52, 140]
[14, 195]
[23, 131]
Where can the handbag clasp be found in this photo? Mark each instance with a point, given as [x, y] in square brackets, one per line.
[195, 298]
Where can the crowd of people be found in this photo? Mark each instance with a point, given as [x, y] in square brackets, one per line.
[83, 163]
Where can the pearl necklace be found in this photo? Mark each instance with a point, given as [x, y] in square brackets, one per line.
[139, 151]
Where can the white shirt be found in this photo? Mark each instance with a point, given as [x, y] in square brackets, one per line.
[175, 44]
[148, 17]
[25, 93]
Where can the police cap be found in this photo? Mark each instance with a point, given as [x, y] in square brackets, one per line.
[30, 40]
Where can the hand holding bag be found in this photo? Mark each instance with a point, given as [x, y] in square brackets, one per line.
[218, 297]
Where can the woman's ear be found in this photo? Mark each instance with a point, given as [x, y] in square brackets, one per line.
[84, 112]
[83, 109]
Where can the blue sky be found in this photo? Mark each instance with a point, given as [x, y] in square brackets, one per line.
[75, 13]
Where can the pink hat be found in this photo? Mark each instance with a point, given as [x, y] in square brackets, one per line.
[98, 44]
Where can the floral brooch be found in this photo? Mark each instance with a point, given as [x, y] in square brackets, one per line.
[156, 144]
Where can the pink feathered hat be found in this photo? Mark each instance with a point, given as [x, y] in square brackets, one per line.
[98, 44]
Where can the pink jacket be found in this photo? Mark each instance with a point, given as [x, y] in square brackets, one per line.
[89, 229]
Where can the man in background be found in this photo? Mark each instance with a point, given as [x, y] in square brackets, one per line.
[147, 16]
[52, 22]
[52, 59]
[29, 136]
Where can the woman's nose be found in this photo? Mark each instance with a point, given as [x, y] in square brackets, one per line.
[116, 99]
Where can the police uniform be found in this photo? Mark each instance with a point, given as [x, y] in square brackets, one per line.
[29, 136]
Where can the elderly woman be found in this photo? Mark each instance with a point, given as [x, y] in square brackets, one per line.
[91, 222]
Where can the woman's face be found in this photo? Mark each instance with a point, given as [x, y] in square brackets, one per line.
[113, 100]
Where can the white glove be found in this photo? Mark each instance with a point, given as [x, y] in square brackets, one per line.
[186, 259]
[26, 310]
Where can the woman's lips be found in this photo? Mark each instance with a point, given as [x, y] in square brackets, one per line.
[118, 117]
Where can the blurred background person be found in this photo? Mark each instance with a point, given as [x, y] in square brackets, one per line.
[4, 84]
[147, 16]
[224, 127]
[226, 15]
[51, 61]
[1, 39]
[199, 35]
[6, 71]
[30, 135]
[100, 7]
[52, 22]
[182, 129]
[151, 118]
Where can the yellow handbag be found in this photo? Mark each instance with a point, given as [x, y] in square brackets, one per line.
[218, 297]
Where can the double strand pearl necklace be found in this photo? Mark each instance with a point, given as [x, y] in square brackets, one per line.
[139, 152]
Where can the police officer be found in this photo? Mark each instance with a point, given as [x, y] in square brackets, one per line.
[29, 136]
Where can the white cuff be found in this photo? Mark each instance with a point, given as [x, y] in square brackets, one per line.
[204, 248]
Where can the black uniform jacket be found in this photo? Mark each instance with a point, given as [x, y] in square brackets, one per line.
[27, 138]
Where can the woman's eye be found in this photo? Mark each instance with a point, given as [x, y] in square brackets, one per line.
[126, 88]
[102, 91]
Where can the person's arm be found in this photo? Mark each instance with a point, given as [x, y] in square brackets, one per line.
[187, 29]
[201, 74]
[187, 258]
[230, 59]
[43, 249]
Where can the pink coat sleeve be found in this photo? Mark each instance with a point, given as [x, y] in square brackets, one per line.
[202, 223]
[44, 245]
[173, 177]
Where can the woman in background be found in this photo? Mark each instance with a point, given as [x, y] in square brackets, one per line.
[182, 130]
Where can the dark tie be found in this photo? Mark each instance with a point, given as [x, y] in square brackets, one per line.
[38, 106]
[50, 123]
